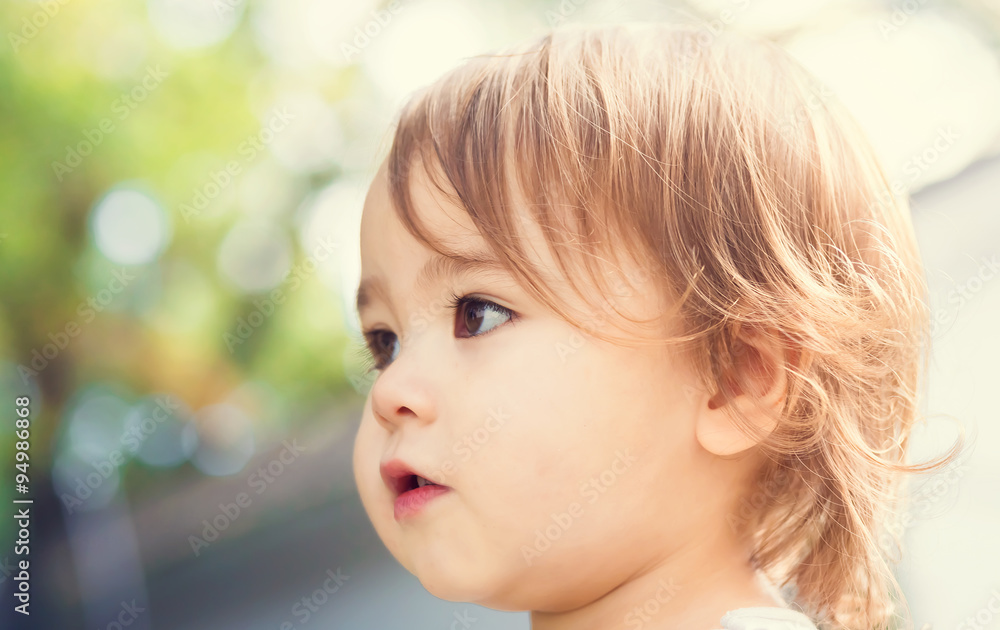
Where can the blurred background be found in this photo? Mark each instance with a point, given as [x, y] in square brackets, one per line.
[180, 193]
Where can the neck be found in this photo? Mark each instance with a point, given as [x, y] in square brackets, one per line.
[690, 589]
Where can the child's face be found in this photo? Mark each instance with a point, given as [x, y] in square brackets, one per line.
[570, 463]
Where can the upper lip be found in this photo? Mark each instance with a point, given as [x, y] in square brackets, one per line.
[396, 474]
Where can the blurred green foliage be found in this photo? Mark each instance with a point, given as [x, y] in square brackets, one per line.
[52, 95]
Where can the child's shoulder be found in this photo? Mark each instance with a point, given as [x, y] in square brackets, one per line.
[766, 618]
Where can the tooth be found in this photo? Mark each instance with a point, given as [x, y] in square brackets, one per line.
[421, 482]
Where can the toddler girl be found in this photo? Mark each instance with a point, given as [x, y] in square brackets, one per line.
[648, 325]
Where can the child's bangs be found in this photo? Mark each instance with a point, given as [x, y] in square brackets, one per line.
[502, 138]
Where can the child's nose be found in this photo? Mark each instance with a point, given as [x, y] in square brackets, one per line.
[405, 393]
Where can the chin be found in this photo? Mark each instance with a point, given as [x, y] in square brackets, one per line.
[459, 581]
[484, 581]
[451, 590]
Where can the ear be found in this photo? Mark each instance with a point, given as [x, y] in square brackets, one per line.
[757, 389]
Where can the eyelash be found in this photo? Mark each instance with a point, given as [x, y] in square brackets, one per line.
[455, 302]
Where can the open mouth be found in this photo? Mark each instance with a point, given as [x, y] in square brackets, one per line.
[401, 479]
[416, 481]
[402, 485]
[411, 491]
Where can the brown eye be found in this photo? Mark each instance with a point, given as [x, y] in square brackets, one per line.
[383, 346]
[475, 317]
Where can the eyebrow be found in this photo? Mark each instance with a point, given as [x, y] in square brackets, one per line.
[374, 288]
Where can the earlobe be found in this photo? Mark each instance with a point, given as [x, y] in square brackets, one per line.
[757, 393]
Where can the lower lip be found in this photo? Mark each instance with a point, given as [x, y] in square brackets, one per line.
[412, 501]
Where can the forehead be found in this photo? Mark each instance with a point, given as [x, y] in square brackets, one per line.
[447, 221]
[391, 255]
[387, 245]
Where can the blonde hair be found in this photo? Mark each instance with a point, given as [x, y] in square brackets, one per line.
[753, 202]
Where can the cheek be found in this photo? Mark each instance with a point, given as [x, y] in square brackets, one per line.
[592, 434]
[369, 444]
[574, 401]
[561, 424]
[366, 443]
